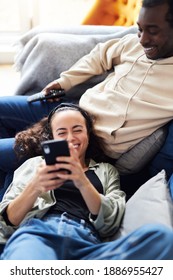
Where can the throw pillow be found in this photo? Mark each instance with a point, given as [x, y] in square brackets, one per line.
[151, 203]
[135, 159]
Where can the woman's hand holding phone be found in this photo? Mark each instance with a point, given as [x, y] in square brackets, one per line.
[64, 162]
[73, 164]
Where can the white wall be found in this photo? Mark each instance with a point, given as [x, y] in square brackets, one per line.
[60, 12]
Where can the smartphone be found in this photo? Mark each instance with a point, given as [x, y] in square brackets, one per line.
[54, 148]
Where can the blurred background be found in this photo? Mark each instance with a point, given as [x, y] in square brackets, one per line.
[18, 16]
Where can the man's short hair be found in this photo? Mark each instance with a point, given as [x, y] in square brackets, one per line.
[153, 3]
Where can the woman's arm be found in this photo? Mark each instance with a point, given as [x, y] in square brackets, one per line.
[42, 181]
[112, 201]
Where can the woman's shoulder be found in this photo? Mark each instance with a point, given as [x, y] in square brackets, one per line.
[34, 160]
[30, 163]
[103, 166]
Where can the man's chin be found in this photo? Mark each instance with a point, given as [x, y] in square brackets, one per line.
[151, 53]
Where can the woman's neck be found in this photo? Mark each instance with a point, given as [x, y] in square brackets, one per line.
[84, 164]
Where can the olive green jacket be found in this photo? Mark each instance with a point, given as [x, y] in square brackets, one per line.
[112, 200]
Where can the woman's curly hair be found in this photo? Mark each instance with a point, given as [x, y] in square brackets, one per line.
[28, 142]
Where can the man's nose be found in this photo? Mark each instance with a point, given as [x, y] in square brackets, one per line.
[144, 38]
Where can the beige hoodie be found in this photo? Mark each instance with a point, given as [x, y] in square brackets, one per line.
[133, 101]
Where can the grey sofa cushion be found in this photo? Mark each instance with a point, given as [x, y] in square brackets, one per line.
[135, 159]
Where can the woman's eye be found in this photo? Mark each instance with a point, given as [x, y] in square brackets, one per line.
[61, 133]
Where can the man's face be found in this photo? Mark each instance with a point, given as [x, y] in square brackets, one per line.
[155, 33]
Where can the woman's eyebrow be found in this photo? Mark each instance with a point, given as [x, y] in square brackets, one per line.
[78, 125]
[61, 128]
[75, 126]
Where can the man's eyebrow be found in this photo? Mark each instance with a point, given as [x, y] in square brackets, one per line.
[149, 26]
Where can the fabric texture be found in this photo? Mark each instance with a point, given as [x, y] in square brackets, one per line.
[123, 95]
[112, 202]
[43, 53]
[152, 203]
[171, 186]
[61, 238]
[164, 157]
[136, 158]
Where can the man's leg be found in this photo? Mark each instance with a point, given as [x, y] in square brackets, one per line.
[8, 163]
[150, 242]
[16, 114]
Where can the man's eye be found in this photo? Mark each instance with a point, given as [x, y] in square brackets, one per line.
[139, 32]
[153, 32]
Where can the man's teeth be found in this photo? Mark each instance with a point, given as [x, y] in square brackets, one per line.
[149, 49]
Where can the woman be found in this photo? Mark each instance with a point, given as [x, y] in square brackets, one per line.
[68, 215]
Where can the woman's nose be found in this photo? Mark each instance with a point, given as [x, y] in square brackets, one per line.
[70, 137]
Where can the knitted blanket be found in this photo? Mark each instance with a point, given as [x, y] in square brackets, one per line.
[44, 53]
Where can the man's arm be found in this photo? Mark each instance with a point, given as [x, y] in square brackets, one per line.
[100, 60]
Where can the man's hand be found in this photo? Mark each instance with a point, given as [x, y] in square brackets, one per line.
[50, 86]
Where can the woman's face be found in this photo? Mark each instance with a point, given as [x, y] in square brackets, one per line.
[70, 125]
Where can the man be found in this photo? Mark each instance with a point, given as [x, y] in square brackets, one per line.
[130, 103]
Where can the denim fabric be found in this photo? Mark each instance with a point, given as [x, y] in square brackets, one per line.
[170, 183]
[15, 115]
[62, 238]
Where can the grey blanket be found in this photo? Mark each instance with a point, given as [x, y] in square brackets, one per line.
[44, 53]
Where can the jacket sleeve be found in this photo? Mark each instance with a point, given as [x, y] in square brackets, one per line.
[112, 204]
[100, 60]
[21, 178]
